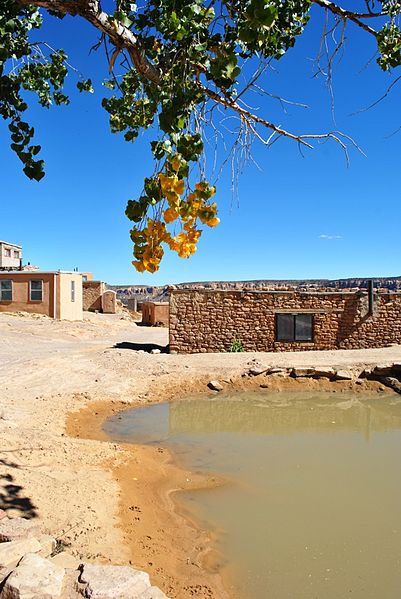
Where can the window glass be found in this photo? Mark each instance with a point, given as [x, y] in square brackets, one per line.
[303, 327]
[6, 290]
[73, 291]
[7, 252]
[285, 327]
[294, 327]
[16, 254]
[36, 291]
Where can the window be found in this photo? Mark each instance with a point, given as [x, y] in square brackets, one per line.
[7, 252]
[73, 291]
[6, 291]
[16, 254]
[35, 291]
[294, 327]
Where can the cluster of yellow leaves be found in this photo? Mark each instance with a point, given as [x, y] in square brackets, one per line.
[186, 211]
[147, 246]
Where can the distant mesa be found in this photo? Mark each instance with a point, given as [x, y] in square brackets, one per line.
[144, 293]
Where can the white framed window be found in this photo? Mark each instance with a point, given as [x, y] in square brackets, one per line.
[7, 252]
[16, 254]
[6, 290]
[73, 291]
[36, 290]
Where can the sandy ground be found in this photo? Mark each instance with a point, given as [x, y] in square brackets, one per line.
[109, 502]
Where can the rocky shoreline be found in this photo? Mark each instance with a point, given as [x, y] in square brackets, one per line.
[33, 565]
[388, 374]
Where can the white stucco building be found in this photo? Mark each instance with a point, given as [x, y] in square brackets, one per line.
[10, 255]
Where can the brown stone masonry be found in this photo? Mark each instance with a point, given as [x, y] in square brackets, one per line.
[210, 320]
[92, 295]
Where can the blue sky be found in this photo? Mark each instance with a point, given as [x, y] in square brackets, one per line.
[298, 216]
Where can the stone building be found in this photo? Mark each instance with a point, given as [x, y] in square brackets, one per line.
[283, 320]
[97, 298]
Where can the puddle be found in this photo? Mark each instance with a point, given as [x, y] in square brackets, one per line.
[314, 510]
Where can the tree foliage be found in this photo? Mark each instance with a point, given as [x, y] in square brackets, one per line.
[181, 59]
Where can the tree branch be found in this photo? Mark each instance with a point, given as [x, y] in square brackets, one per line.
[302, 139]
[347, 14]
[120, 36]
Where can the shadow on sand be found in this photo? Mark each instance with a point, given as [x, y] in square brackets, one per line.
[11, 495]
[147, 347]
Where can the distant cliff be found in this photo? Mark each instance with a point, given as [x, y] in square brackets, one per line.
[160, 292]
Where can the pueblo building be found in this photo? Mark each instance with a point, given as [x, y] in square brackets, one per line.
[57, 294]
[10, 255]
[216, 320]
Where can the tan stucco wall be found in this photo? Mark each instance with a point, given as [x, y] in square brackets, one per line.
[109, 302]
[67, 309]
[20, 301]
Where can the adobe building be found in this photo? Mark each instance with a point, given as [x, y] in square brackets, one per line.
[56, 294]
[208, 320]
[96, 296]
[155, 314]
[10, 255]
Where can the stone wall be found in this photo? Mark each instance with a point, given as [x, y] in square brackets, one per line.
[210, 321]
[92, 295]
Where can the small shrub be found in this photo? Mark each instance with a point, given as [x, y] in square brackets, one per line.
[236, 346]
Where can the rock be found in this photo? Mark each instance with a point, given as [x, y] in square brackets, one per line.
[3, 514]
[391, 382]
[383, 369]
[65, 560]
[275, 370]
[34, 578]
[48, 545]
[302, 372]
[155, 351]
[314, 372]
[12, 551]
[14, 529]
[215, 386]
[152, 593]
[113, 582]
[322, 371]
[256, 370]
[344, 375]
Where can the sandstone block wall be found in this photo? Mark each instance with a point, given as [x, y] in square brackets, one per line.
[92, 295]
[209, 321]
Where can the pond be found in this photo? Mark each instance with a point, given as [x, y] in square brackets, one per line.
[313, 507]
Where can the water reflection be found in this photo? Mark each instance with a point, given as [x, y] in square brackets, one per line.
[316, 512]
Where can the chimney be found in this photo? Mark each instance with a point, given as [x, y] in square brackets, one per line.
[371, 297]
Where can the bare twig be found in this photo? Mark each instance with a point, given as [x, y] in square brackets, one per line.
[390, 87]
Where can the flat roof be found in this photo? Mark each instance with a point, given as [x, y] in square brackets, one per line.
[15, 245]
[39, 272]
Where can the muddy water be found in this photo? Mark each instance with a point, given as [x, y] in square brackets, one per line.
[314, 507]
